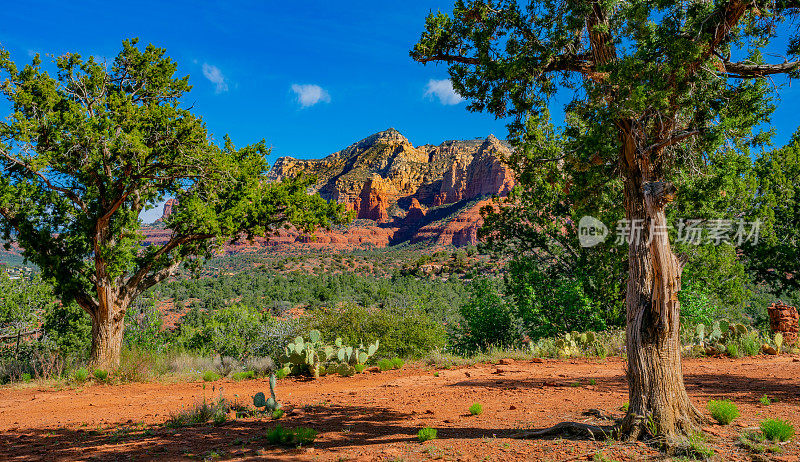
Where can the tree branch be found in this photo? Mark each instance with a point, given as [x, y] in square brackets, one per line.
[66, 192]
[745, 70]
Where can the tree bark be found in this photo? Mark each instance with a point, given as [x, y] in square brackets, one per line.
[659, 405]
[108, 323]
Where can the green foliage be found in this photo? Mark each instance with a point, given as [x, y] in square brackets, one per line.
[282, 373]
[476, 409]
[697, 448]
[210, 376]
[26, 377]
[426, 434]
[397, 363]
[723, 411]
[229, 331]
[80, 375]
[309, 354]
[277, 414]
[487, 320]
[295, 437]
[143, 326]
[385, 364]
[100, 375]
[405, 333]
[733, 350]
[359, 368]
[243, 375]
[765, 400]
[69, 327]
[777, 429]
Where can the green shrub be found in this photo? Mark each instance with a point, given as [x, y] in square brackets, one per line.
[751, 345]
[26, 377]
[199, 414]
[697, 448]
[397, 363]
[359, 368]
[385, 365]
[723, 411]
[281, 373]
[243, 375]
[476, 409]
[277, 413]
[291, 437]
[765, 400]
[210, 376]
[100, 375]
[487, 320]
[426, 434]
[777, 430]
[80, 375]
[408, 332]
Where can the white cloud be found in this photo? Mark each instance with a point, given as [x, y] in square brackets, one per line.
[443, 89]
[309, 95]
[215, 76]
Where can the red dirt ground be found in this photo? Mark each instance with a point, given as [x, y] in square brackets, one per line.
[375, 416]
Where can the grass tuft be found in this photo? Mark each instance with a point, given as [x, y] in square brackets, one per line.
[723, 411]
[777, 430]
[426, 434]
[476, 409]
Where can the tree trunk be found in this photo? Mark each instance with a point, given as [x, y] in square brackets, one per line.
[659, 405]
[108, 322]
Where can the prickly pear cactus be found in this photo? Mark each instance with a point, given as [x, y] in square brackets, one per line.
[269, 404]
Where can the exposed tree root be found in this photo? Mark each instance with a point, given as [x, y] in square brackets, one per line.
[600, 414]
[569, 429]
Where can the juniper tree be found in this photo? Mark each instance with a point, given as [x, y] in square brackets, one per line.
[654, 85]
[84, 151]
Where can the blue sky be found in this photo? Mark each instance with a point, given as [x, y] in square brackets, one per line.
[311, 77]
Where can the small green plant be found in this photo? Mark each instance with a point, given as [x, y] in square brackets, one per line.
[476, 409]
[199, 414]
[733, 350]
[723, 411]
[777, 430]
[397, 363]
[291, 436]
[243, 375]
[80, 375]
[765, 400]
[385, 365]
[697, 448]
[210, 376]
[602, 457]
[26, 377]
[359, 368]
[592, 382]
[426, 434]
[625, 407]
[277, 413]
[282, 373]
[100, 375]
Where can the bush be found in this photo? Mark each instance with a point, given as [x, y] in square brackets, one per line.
[409, 332]
[199, 414]
[385, 365]
[476, 409]
[397, 363]
[100, 375]
[723, 411]
[426, 434]
[487, 320]
[359, 368]
[765, 400]
[277, 413]
[291, 437]
[210, 376]
[243, 375]
[80, 375]
[777, 430]
[26, 377]
[281, 373]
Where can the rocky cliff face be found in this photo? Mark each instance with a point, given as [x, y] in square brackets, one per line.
[385, 178]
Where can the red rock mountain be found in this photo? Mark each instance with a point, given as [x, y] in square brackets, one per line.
[400, 193]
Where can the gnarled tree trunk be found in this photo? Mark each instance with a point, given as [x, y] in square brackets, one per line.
[659, 404]
[108, 323]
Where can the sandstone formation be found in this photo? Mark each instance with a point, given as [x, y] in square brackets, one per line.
[784, 319]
